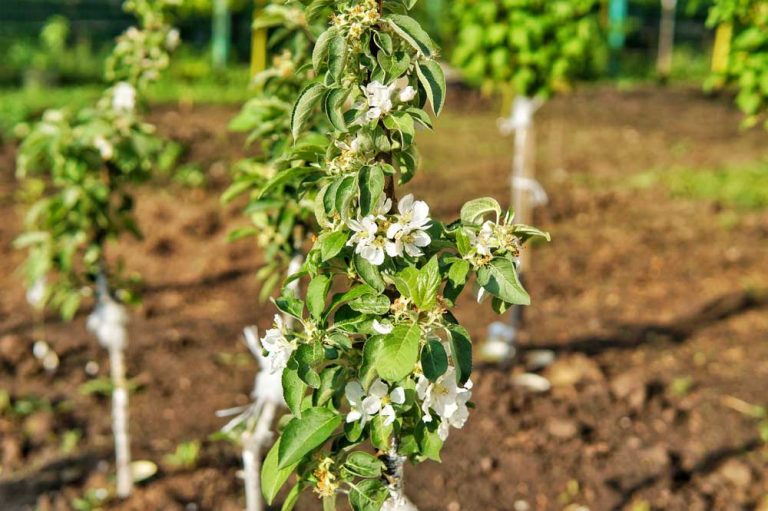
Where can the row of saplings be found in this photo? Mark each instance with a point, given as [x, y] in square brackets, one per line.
[365, 352]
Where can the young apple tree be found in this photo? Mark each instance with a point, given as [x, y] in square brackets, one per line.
[376, 369]
[79, 167]
[528, 50]
[746, 62]
[282, 218]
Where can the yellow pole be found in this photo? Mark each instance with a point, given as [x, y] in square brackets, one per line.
[258, 43]
[722, 48]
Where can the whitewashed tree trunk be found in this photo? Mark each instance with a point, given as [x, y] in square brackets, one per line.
[395, 464]
[526, 193]
[253, 443]
[108, 322]
[120, 422]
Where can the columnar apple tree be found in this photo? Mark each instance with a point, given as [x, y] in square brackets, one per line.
[78, 167]
[281, 218]
[528, 50]
[376, 363]
[747, 63]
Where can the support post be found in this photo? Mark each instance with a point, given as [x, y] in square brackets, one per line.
[221, 30]
[258, 42]
[666, 38]
[722, 48]
[617, 19]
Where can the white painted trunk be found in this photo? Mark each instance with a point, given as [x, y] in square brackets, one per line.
[108, 322]
[395, 474]
[253, 443]
[120, 422]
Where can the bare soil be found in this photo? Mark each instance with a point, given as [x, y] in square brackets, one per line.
[656, 309]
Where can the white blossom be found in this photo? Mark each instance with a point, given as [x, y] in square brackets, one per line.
[484, 241]
[172, 39]
[407, 234]
[382, 328]
[369, 244]
[379, 99]
[123, 97]
[36, 293]
[379, 400]
[104, 147]
[278, 347]
[407, 94]
[446, 399]
[267, 385]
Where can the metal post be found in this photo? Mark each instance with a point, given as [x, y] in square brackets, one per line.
[222, 26]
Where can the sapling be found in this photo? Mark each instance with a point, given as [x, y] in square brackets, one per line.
[282, 221]
[528, 50]
[381, 364]
[80, 166]
[746, 57]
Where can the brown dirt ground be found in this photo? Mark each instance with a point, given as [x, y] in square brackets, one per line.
[655, 308]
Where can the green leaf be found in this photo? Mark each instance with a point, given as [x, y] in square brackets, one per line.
[432, 78]
[332, 104]
[272, 476]
[458, 272]
[331, 243]
[381, 433]
[371, 185]
[304, 434]
[337, 56]
[371, 304]
[429, 442]
[368, 495]
[399, 353]
[369, 273]
[293, 175]
[474, 211]
[316, 292]
[363, 464]
[293, 497]
[461, 352]
[320, 51]
[499, 278]
[410, 30]
[371, 352]
[302, 109]
[308, 356]
[427, 285]
[331, 380]
[290, 305]
[434, 360]
[293, 388]
[402, 123]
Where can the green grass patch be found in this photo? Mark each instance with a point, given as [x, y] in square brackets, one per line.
[738, 187]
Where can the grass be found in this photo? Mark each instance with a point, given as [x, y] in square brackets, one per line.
[741, 188]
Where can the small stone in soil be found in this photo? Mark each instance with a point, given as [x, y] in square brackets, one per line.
[569, 371]
[736, 473]
[562, 428]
